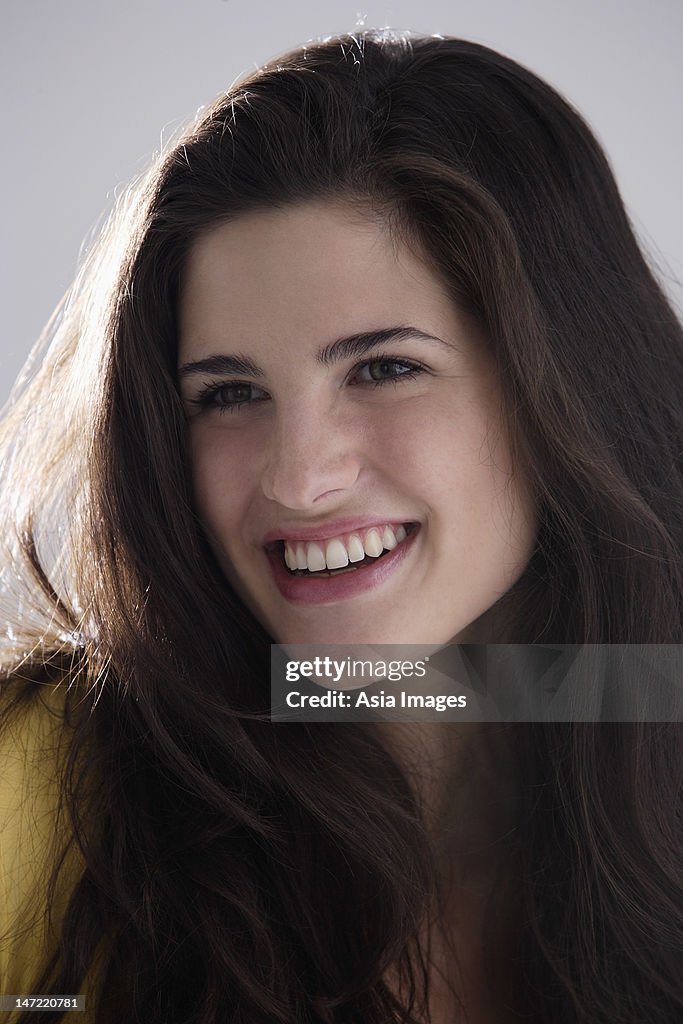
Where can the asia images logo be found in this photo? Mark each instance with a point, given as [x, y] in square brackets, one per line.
[329, 668]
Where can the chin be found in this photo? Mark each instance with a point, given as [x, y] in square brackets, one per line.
[334, 635]
[365, 633]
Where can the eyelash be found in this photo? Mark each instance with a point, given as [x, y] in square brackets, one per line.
[206, 399]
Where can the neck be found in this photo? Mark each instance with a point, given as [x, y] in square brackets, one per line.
[464, 784]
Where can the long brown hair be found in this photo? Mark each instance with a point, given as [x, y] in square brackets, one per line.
[227, 859]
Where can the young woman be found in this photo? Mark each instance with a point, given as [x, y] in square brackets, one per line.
[383, 296]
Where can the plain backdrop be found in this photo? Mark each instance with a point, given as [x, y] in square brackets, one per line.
[90, 90]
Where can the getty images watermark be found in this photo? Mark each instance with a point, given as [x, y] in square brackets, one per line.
[362, 672]
[477, 683]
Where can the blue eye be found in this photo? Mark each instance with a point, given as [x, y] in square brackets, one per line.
[383, 370]
[229, 396]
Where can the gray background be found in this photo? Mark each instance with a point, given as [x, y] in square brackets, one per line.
[90, 89]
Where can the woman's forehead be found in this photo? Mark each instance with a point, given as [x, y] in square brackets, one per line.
[307, 268]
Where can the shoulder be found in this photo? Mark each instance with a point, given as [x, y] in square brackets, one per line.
[35, 736]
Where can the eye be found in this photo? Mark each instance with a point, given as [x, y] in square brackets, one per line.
[229, 396]
[384, 369]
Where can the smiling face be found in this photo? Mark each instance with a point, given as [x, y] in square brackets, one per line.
[340, 406]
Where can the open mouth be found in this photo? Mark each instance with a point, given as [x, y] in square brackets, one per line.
[346, 554]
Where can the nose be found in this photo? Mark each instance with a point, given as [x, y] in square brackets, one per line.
[308, 457]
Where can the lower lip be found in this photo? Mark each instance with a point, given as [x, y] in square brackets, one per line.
[326, 589]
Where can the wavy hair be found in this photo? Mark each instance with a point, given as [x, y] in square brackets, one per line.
[252, 872]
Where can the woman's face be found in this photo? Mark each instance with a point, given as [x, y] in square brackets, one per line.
[340, 406]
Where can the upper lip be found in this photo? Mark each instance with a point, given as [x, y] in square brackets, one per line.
[333, 528]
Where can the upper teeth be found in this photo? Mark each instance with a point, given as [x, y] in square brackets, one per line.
[339, 551]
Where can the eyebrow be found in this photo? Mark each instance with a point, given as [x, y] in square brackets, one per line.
[342, 349]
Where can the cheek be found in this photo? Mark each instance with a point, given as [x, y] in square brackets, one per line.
[220, 481]
[440, 445]
[459, 462]
[498, 517]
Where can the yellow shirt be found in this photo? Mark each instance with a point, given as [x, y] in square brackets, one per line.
[33, 743]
